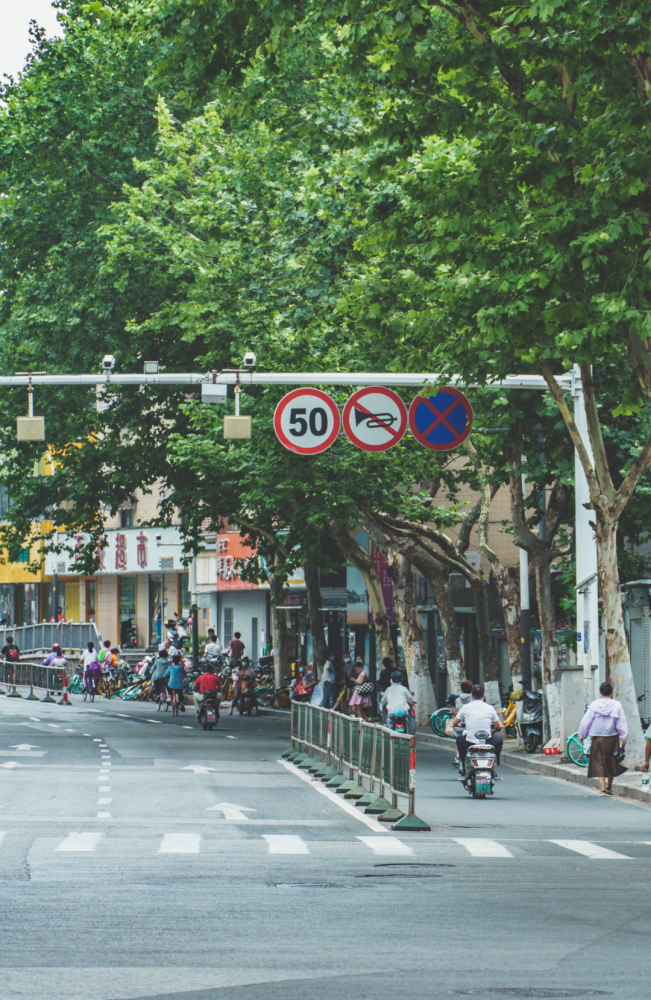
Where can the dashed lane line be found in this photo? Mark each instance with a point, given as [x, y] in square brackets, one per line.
[482, 847]
[286, 844]
[386, 845]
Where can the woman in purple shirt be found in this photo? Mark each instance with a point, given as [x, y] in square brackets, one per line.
[605, 722]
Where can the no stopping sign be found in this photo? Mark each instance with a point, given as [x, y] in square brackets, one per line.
[307, 421]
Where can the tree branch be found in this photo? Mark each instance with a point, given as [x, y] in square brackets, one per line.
[594, 430]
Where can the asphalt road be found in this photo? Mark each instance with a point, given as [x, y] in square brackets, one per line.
[142, 857]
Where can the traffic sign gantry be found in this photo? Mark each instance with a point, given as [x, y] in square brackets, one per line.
[307, 421]
[375, 419]
[441, 422]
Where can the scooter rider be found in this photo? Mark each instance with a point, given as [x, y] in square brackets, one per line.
[206, 683]
[396, 697]
[476, 716]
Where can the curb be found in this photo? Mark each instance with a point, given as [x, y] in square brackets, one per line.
[530, 762]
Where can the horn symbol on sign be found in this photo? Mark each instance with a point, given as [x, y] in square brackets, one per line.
[375, 419]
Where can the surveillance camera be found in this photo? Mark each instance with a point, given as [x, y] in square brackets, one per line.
[249, 359]
[158, 538]
[108, 361]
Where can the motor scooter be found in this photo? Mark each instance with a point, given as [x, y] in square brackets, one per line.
[530, 723]
[208, 714]
[480, 767]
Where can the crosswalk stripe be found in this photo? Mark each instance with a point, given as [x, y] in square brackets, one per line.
[79, 842]
[482, 847]
[590, 850]
[386, 845]
[285, 844]
[180, 843]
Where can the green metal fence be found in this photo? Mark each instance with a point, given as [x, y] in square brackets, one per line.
[377, 757]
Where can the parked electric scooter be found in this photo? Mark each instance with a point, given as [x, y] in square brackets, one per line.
[480, 767]
[530, 722]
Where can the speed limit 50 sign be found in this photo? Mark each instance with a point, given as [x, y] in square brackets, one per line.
[307, 421]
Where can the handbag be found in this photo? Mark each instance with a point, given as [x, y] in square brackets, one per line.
[619, 755]
[366, 688]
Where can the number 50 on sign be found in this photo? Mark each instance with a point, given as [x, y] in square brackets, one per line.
[307, 421]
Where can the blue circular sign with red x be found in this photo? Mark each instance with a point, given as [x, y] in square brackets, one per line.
[441, 422]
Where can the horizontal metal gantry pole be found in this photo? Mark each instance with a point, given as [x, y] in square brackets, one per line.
[245, 378]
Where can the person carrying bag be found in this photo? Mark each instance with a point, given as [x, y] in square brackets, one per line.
[604, 721]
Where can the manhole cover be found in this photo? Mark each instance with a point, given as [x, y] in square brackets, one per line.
[534, 991]
[310, 885]
[412, 864]
[400, 875]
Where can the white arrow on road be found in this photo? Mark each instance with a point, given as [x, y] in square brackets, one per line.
[232, 812]
[11, 764]
[24, 746]
[198, 769]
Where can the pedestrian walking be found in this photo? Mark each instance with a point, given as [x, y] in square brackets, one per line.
[361, 701]
[604, 721]
[328, 679]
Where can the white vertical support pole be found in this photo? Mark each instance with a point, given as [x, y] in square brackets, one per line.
[586, 645]
[525, 620]
[587, 605]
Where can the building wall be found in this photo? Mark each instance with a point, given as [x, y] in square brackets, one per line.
[107, 608]
[247, 605]
[142, 610]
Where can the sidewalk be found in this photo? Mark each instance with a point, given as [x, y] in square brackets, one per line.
[629, 784]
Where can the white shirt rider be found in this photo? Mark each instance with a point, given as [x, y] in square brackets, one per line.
[477, 715]
[213, 648]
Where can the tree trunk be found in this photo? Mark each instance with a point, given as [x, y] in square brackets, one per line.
[363, 561]
[437, 576]
[486, 644]
[404, 602]
[549, 641]
[618, 653]
[319, 645]
[279, 629]
[507, 582]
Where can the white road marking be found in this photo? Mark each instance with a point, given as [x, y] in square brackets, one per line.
[232, 812]
[10, 764]
[71, 730]
[104, 802]
[590, 850]
[103, 815]
[85, 734]
[386, 845]
[104, 788]
[197, 768]
[482, 847]
[79, 842]
[285, 844]
[180, 843]
[122, 715]
[25, 746]
[2, 835]
[156, 722]
[53, 725]
[96, 740]
[231, 737]
[344, 804]
[103, 744]
[32, 719]
[187, 727]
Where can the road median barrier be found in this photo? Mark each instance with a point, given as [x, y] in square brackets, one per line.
[33, 675]
[326, 743]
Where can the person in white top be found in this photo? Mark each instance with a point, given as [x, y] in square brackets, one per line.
[397, 696]
[213, 648]
[474, 717]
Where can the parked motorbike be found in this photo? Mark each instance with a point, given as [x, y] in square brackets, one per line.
[128, 638]
[531, 721]
[177, 633]
[208, 714]
[480, 767]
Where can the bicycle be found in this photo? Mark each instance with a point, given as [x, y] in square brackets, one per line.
[176, 695]
[578, 750]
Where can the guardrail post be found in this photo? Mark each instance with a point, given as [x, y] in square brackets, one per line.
[338, 779]
[411, 821]
[31, 696]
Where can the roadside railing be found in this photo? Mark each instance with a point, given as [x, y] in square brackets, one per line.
[376, 757]
[31, 675]
[69, 635]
